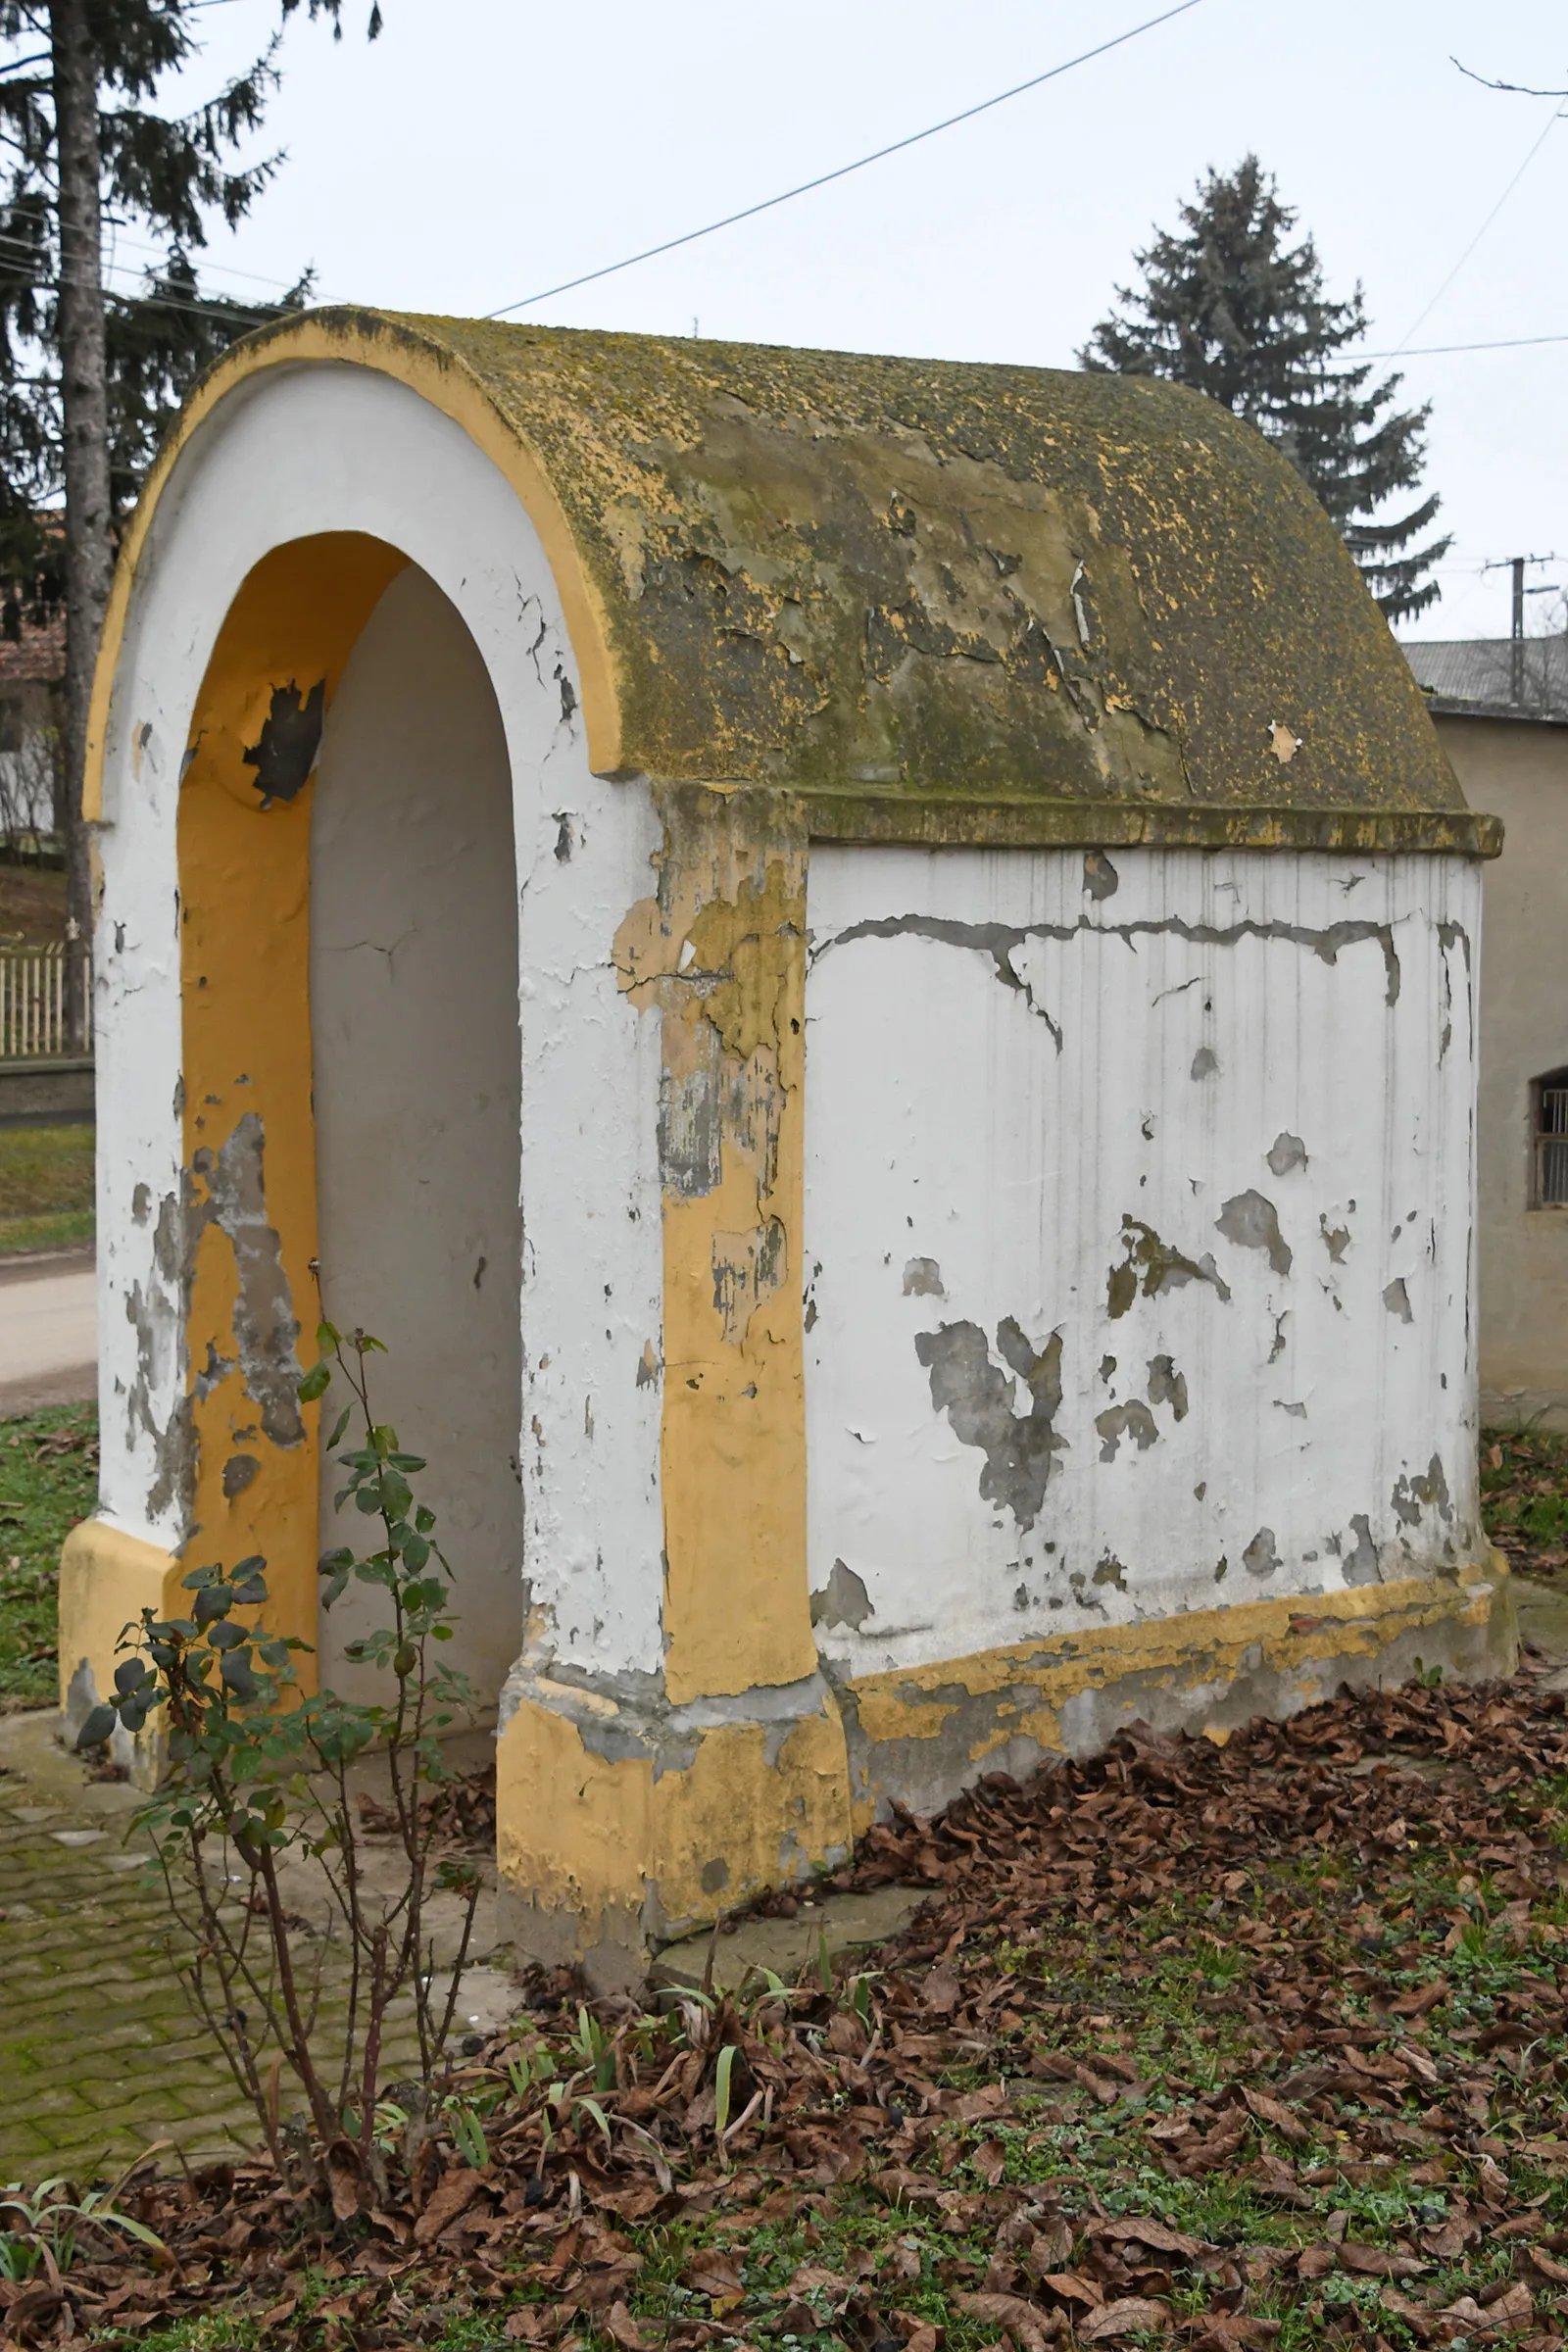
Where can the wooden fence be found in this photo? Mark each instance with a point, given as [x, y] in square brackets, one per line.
[34, 1001]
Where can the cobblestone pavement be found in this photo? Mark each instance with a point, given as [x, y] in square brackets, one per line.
[99, 2052]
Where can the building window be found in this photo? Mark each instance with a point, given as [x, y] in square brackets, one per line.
[1551, 1128]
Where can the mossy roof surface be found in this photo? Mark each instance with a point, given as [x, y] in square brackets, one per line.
[826, 570]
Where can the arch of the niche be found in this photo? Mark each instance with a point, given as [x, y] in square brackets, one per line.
[447, 384]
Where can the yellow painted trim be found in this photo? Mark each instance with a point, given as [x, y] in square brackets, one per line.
[603, 1848]
[612, 1848]
[1196, 1655]
[245, 895]
[107, 1579]
[439, 376]
[719, 952]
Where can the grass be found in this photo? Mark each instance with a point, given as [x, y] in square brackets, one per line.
[1524, 1495]
[48, 1481]
[46, 1187]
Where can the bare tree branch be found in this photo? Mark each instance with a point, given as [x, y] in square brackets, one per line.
[1520, 89]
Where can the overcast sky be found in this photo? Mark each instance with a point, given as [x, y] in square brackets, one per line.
[483, 150]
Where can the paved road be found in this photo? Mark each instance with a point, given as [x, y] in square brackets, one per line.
[48, 1332]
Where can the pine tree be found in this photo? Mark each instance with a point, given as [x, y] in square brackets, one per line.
[1233, 309]
[86, 378]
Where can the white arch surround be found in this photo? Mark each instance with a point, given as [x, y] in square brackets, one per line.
[326, 447]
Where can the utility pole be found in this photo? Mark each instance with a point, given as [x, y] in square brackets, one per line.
[1516, 655]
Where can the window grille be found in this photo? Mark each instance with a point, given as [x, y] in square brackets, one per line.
[1552, 1140]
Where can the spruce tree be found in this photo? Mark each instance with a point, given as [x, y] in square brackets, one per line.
[88, 378]
[1230, 307]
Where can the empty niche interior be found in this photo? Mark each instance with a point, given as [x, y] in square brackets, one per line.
[413, 1023]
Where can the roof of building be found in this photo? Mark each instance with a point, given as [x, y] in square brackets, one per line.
[1493, 677]
[900, 579]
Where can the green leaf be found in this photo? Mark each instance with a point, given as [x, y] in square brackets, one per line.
[97, 1727]
[237, 1676]
[722, 2075]
[335, 1439]
[314, 1383]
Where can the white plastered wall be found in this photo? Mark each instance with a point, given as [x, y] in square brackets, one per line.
[414, 1049]
[1267, 1062]
[338, 448]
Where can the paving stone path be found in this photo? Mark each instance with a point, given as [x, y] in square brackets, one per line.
[99, 2052]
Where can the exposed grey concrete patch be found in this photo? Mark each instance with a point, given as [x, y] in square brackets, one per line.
[1260, 1557]
[1286, 1153]
[922, 1279]
[1252, 1221]
[690, 1120]
[1361, 1566]
[1397, 1299]
[266, 1330]
[1412, 1496]
[1205, 1061]
[215, 1369]
[1163, 1268]
[239, 1472]
[998, 940]
[977, 1399]
[1108, 1570]
[747, 1267]
[1100, 878]
[158, 1330]
[1118, 1421]
[1336, 1239]
[1167, 1386]
[141, 1203]
[842, 1600]
[1297, 1412]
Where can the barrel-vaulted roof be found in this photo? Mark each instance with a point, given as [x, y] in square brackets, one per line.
[890, 581]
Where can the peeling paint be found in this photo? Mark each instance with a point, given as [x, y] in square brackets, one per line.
[266, 1329]
[1163, 1268]
[1397, 1299]
[922, 1279]
[1100, 878]
[1167, 1386]
[1131, 1420]
[1260, 1558]
[1413, 1495]
[1286, 1151]
[1361, 1566]
[842, 1600]
[978, 1400]
[1251, 1222]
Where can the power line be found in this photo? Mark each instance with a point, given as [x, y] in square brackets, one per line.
[1433, 351]
[1554, 117]
[825, 178]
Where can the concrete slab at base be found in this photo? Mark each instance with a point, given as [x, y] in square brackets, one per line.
[848, 1922]
[614, 1823]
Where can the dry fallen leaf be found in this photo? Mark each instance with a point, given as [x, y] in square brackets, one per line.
[1130, 2316]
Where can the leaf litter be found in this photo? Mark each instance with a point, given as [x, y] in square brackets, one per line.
[1223, 2047]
